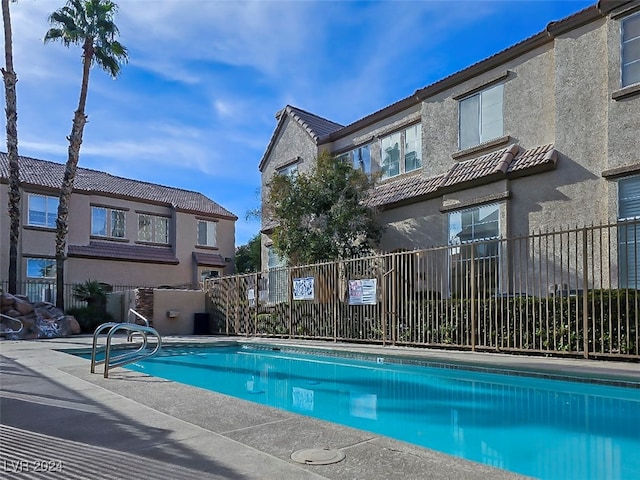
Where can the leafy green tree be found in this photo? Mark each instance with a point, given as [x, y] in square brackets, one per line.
[11, 110]
[323, 215]
[89, 24]
[248, 256]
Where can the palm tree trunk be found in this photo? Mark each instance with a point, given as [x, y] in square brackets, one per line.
[75, 141]
[10, 80]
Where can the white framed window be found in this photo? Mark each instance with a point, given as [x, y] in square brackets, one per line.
[359, 158]
[630, 51]
[41, 268]
[278, 277]
[288, 170]
[480, 117]
[42, 211]
[107, 222]
[629, 231]
[153, 228]
[207, 233]
[478, 226]
[401, 152]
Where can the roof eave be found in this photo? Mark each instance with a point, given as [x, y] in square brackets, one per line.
[552, 30]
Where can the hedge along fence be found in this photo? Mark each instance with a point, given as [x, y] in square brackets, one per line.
[547, 293]
[549, 325]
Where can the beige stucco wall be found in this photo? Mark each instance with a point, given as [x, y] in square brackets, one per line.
[291, 142]
[173, 310]
[413, 226]
[39, 242]
[559, 93]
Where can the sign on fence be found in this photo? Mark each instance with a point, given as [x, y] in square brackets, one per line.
[363, 292]
[303, 288]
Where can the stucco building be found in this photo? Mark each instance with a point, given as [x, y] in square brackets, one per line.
[540, 136]
[121, 231]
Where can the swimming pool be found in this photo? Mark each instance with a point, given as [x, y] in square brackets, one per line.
[549, 429]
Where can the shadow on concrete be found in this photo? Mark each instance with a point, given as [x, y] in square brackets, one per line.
[43, 421]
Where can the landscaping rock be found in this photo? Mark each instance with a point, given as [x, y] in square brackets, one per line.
[39, 320]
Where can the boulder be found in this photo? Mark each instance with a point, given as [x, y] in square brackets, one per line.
[74, 326]
[24, 307]
[39, 320]
[6, 299]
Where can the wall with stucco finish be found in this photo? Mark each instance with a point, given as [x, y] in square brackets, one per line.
[174, 310]
[292, 144]
[562, 92]
[40, 242]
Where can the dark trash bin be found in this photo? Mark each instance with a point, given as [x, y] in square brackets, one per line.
[201, 324]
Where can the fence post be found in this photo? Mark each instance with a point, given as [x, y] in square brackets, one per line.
[585, 298]
[473, 298]
[256, 300]
[290, 299]
[394, 300]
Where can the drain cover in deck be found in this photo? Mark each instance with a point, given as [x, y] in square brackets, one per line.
[317, 456]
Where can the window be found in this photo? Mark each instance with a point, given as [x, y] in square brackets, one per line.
[41, 268]
[207, 274]
[278, 277]
[631, 50]
[481, 117]
[401, 152]
[629, 232]
[153, 228]
[475, 226]
[207, 233]
[289, 170]
[43, 211]
[107, 222]
[359, 158]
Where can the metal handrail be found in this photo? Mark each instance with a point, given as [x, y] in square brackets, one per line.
[9, 332]
[131, 310]
[99, 330]
[129, 356]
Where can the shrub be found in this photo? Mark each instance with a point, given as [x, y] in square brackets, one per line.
[90, 317]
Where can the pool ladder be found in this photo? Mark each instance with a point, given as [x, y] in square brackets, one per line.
[132, 328]
[8, 331]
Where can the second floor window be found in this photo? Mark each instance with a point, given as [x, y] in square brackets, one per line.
[43, 211]
[401, 152]
[107, 222]
[359, 157]
[207, 233]
[289, 170]
[631, 50]
[481, 117]
[153, 228]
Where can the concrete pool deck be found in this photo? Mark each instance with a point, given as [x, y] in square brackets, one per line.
[57, 420]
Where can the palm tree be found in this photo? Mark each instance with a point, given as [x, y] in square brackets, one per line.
[11, 109]
[88, 23]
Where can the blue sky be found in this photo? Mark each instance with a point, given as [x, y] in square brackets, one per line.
[194, 107]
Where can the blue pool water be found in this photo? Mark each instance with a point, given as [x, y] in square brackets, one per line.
[544, 428]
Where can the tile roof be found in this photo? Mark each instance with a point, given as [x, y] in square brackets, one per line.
[49, 174]
[317, 127]
[124, 252]
[208, 259]
[553, 29]
[494, 163]
[536, 157]
[508, 162]
[403, 189]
